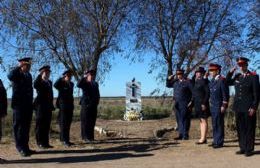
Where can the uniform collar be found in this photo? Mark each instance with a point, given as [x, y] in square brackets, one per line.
[246, 73]
[183, 79]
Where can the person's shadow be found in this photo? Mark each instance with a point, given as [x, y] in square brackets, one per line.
[79, 159]
[133, 145]
[138, 148]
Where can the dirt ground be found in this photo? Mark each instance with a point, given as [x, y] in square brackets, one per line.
[134, 146]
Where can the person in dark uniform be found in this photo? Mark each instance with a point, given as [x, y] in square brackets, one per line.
[245, 105]
[3, 110]
[65, 102]
[89, 103]
[200, 97]
[182, 94]
[3, 105]
[22, 105]
[219, 97]
[43, 106]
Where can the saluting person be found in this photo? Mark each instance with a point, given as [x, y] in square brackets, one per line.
[65, 103]
[43, 106]
[182, 94]
[22, 105]
[89, 103]
[245, 105]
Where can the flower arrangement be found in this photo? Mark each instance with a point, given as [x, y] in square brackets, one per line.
[133, 115]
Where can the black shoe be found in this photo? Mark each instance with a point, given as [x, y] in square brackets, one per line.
[66, 144]
[31, 152]
[71, 144]
[212, 144]
[2, 161]
[185, 138]
[248, 154]
[217, 146]
[24, 153]
[48, 146]
[240, 152]
[41, 146]
[201, 143]
[89, 141]
[178, 138]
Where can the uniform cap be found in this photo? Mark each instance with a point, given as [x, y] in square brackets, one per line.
[25, 60]
[214, 67]
[45, 68]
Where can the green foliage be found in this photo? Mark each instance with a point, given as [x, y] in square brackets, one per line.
[152, 113]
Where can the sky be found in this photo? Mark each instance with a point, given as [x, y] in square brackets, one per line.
[122, 72]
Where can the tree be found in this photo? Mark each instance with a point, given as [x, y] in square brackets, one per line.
[253, 34]
[79, 34]
[254, 30]
[188, 33]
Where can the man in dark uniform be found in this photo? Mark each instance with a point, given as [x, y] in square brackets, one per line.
[219, 97]
[200, 97]
[22, 105]
[182, 95]
[43, 105]
[3, 110]
[65, 102]
[89, 103]
[245, 105]
[3, 105]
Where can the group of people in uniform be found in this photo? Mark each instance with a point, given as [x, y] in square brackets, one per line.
[23, 105]
[208, 94]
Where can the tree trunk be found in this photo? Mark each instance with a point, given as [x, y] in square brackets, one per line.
[170, 69]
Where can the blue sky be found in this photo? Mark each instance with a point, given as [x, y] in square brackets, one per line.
[122, 72]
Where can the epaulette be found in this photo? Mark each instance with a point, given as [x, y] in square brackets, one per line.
[253, 73]
[222, 78]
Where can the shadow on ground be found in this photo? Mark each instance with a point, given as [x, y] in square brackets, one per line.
[135, 147]
[79, 159]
